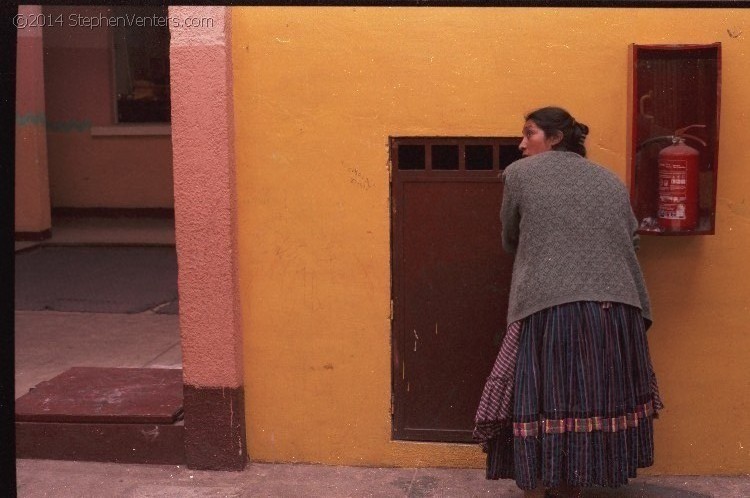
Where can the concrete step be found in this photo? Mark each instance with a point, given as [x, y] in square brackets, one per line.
[126, 415]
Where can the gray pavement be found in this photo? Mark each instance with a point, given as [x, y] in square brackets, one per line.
[59, 479]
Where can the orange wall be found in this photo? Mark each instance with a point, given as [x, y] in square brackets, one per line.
[317, 94]
[101, 171]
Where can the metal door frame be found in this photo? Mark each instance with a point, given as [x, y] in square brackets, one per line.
[398, 179]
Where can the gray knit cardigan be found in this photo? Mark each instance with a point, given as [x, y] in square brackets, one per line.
[571, 227]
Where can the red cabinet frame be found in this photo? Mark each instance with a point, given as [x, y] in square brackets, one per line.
[672, 87]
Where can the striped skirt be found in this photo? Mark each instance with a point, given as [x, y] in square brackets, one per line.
[571, 398]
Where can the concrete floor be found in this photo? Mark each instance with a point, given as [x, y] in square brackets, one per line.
[46, 478]
[96, 279]
[71, 230]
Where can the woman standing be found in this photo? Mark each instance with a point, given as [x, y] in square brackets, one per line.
[572, 396]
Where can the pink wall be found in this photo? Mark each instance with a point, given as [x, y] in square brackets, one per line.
[86, 170]
[205, 207]
[203, 134]
[32, 185]
[111, 172]
[78, 63]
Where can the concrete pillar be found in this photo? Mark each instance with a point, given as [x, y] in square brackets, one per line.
[32, 219]
[204, 192]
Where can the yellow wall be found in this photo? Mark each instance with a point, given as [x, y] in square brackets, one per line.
[318, 92]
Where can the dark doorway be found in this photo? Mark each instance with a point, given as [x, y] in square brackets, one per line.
[450, 280]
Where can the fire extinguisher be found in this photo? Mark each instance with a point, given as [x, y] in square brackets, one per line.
[677, 208]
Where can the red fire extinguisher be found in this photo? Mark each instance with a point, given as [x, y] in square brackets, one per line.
[678, 183]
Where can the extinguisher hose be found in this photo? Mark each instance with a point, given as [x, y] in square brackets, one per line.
[654, 139]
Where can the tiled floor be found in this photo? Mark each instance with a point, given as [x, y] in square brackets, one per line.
[116, 330]
[49, 342]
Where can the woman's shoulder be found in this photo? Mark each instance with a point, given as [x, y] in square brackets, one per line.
[526, 164]
[543, 163]
[606, 173]
[589, 167]
[562, 167]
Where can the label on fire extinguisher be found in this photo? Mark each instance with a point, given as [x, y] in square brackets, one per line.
[672, 211]
[672, 189]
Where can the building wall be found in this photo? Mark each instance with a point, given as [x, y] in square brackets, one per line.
[95, 171]
[32, 199]
[317, 94]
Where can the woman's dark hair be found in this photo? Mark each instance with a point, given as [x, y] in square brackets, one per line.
[554, 119]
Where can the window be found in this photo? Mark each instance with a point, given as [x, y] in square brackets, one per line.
[447, 154]
[141, 64]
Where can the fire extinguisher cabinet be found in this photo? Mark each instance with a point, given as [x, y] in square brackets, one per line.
[674, 137]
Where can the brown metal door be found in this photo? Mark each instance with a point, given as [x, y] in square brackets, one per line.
[450, 280]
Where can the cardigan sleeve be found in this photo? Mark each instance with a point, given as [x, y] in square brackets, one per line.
[510, 215]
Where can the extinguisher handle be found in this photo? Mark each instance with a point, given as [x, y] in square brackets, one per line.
[681, 132]
[693, 137]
